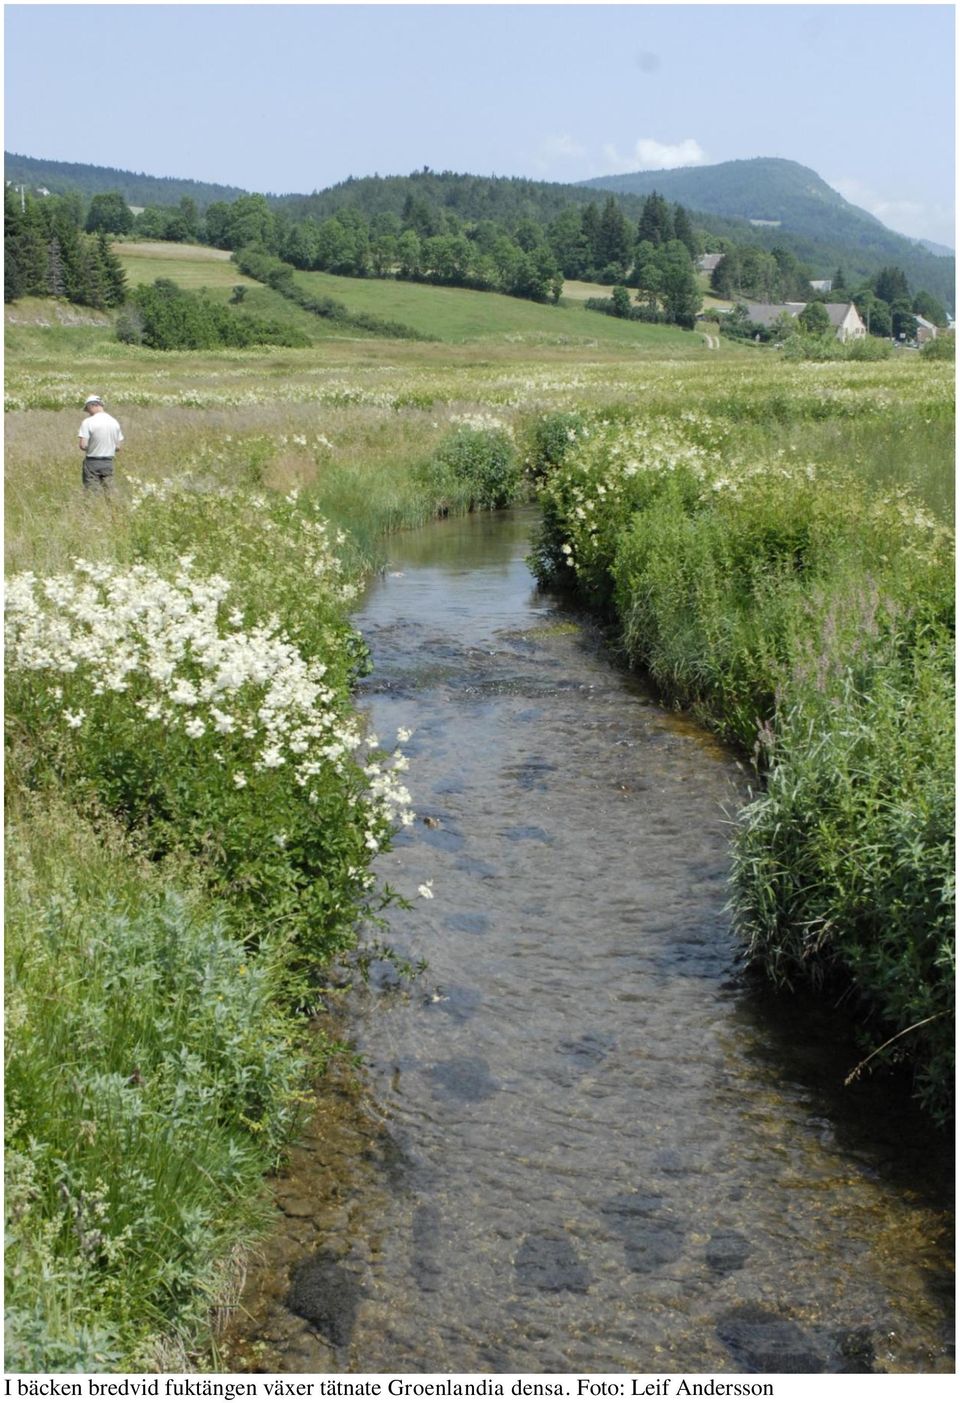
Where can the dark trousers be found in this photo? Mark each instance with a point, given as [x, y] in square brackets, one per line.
[98, 472]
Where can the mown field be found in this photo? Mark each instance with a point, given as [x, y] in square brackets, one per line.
[452, 314]
[192, 805]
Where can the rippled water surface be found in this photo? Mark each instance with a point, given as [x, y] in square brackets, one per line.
[578, 1143]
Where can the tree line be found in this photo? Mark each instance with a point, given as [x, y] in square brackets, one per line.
[57, 246]
[48, 254]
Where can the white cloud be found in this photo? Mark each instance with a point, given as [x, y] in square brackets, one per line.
[649, 154]
[556, 149]
[911, 217]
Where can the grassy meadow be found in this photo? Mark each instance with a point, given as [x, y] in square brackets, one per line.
[193, 805]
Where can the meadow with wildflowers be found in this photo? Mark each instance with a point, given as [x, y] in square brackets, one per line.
[193, 803]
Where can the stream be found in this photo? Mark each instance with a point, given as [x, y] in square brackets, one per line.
[579, 1142]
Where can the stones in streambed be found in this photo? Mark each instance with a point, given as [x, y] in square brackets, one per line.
[727, 1251]
[526, 833]
[532, 774]
[548, 1261]
[474, 867]
[762, 1342]
[472, 922]
[426, 1229]
[581, 1055]
[463, 1079]
[650, 1238]
[589, 1049]
[436, 834]
[327, 1294]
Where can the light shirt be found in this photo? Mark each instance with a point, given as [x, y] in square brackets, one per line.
[102, 435]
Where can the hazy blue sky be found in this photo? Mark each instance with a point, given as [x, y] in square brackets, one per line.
[286, 98]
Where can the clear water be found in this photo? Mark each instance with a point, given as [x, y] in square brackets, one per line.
[579, 1142]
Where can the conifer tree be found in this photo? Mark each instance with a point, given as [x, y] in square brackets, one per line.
[613, 237]
[683, 230]
[656, 221]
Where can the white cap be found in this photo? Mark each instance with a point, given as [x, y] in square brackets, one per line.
[92, 399]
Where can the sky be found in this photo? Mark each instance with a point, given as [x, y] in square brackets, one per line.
[294, 98]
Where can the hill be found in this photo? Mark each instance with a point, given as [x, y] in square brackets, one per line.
[808, 217]
[67, 178]
[450, 314]
[765, 188]
[794, 207]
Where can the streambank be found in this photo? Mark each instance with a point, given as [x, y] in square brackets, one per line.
[578, 1143]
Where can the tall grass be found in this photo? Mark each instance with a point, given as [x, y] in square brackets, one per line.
[153, 1075]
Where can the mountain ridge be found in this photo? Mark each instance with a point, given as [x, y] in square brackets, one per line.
[802, 211]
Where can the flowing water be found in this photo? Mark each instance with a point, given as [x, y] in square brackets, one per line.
[578, 1142]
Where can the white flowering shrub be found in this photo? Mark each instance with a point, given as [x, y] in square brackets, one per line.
[209, 734]
[614, 471]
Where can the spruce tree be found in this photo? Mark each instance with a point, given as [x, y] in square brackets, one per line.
[683, 230]
[656, 221]
[114, 278]
[55, 283]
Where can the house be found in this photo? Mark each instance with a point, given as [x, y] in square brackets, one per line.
[766, 313]
[844, 317]
[846, 321]
[926, 331]
[822, 284]
[708, 261]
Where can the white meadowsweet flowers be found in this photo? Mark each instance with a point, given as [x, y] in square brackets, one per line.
[425, 889]
[177, 654]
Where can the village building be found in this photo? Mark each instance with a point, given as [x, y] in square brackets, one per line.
[926, 331]
[846, 320]
[844, 317]
[707, 262]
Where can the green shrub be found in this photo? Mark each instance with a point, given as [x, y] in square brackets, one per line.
[168, 318]
[207, 733]
[826, 347]
[550, 438]
[481, 464]
[942, 347]
[869, 348]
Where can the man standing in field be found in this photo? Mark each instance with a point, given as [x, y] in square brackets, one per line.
[100, 440]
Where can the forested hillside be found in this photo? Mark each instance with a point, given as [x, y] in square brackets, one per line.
[817, 226]
[67, 177]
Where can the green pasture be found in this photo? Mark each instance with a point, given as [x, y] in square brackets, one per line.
[188, 265]
[457, 314]
[451, 314]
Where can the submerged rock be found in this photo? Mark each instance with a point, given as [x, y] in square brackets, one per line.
[548, 1261]
[762, 1342]
[327, 1294]
[727, 1251]
[464, 1079]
